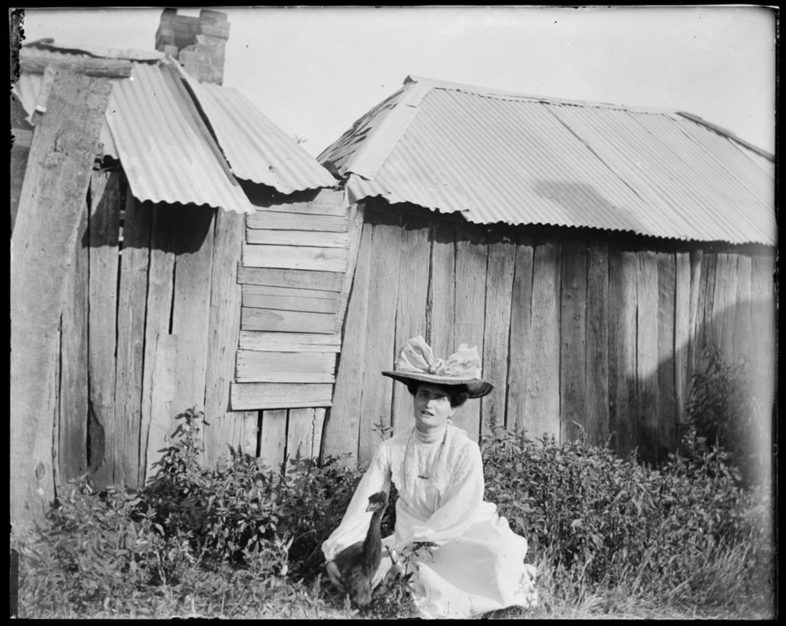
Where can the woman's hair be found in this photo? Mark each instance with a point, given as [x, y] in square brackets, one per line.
[457, 394]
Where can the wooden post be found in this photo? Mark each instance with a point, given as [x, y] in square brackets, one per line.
[52, 198]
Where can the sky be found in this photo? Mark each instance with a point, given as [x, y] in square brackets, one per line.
[314, 71]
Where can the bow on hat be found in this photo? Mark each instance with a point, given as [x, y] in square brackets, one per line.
[416, 362]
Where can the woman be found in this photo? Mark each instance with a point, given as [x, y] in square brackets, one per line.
[477, 564]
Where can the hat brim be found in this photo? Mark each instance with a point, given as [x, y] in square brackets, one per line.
[475, 387]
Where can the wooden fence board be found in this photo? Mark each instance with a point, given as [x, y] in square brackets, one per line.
[291, 303]
[191, 303]
[159, 304]
[647, 350]
[73, 356]
[573, 339]
[286, 321]
[131, 308]
[743, 327]
[709, 265]
[285, 367]
[499, 284]
[411, 306]
[723, 304]
[597, 335]
[51, 199]
[695, 314]
[341, 435]
[323, 202]
[305, 279]
[442, 290]
[543, 403]
[102, 323]
[298, 258]
[682, 331]
[280, 220]
[380, 330]
[223, 329]
[162, 393]
[471, 261]
[623, 402]
[520, 340]
[319, 425]
[245, 426]
[273, 437]
[297, 238]
[301, 431]
[260, 291]
[288, 342]
[667, 408]
[257, 396]
[355, 217]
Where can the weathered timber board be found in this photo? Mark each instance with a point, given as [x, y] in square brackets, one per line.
[667, 407]
[159, 305]
[623, 403]
[343, 420]
[471, 260]
[254, 396]
[280, 220]
[288, 342]
[245, 429]
[73, 378]
[499, 284]
[259, 291]
[300, 433]
[375, 405]
[298, 258]
[542, 407]
[291, 303]
[520, 341]
[102, 323]
[286, 321]
[297, 238]
[411, 305]
[723, 304]
[356, 213]
[322, 202]
[300, 279]
[162, 391]
[51, 200]
[442, 290]
[285, 367]
[191, 302]
[573, 340]
[695, 315]
[743, 327]
[596, 421]
[273, 437]
[132, 304]
[223, 329]
[682, 331]
[647, 352]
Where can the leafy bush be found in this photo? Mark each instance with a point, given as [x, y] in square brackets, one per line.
[722, 410]
[600, 522]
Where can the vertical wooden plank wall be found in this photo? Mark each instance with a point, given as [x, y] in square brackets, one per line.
[132, 300]
[520, 337]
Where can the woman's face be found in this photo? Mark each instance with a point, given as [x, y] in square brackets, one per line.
[432, 406]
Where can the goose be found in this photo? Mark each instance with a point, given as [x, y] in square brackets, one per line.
[359, 562]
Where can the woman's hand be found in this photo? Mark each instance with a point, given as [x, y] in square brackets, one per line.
[335, 575]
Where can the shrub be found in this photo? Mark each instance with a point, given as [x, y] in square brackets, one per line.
[601, 522]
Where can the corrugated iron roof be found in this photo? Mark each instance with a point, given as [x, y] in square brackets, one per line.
[256, 149]
[501, 157]
[166, 150]
[155, 128]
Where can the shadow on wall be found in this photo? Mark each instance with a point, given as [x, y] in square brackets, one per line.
[722, 378]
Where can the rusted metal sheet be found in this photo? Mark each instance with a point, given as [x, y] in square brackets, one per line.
[499, 157]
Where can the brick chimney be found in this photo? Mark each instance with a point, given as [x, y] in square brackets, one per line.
[197, 42]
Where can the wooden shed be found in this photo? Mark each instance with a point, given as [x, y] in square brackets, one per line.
[178, 251]
[588, 250]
